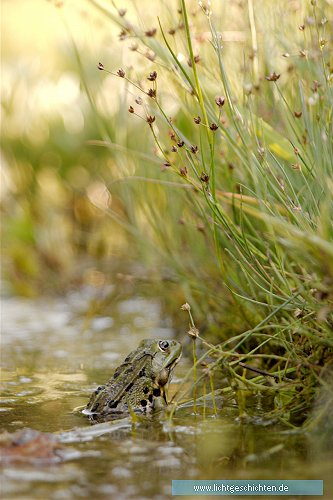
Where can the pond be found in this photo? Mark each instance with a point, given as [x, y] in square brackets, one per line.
[54, 355]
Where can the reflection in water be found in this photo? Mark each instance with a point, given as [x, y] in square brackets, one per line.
[53, 358]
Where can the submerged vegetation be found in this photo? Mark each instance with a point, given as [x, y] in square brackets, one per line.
[216, 170]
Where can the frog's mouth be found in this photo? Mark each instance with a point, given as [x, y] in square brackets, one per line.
[171, 361]
[165, 374]
[170, 366]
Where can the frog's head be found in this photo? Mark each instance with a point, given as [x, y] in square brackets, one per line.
[165, 355]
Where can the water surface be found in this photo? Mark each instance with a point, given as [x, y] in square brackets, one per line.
[54, 354]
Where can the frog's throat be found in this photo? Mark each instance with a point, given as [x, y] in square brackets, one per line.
[164, 375]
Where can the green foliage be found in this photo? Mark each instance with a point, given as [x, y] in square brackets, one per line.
[254, 157]
[209, 155]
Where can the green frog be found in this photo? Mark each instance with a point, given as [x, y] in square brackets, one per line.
[138, 384]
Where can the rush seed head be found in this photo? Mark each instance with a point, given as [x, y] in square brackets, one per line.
[193, 332]
[315, 86]
[186, 307]
[273, 77]
[149, 54]
[219, 100]
[196, 60]
[122, 35]
[151, 32]
[152, 76]
[121, 73]
[151, 93]
[150, 119]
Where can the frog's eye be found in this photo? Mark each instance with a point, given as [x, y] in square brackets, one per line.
[163, 345]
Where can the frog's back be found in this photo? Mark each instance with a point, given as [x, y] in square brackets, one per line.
[125, 387]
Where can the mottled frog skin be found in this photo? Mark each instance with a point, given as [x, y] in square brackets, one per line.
[138, 384]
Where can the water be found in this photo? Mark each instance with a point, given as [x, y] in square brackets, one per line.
[53, 356]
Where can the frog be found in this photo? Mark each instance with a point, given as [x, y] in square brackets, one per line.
[139, 384]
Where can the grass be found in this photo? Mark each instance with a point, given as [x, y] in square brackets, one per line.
[254, 158]
[216, 162]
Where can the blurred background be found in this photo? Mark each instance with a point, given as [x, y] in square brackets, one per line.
[76, 203]
[52, 232]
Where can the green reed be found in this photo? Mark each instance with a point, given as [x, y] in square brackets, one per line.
[241, 209]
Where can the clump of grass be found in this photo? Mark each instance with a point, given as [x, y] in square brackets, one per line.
[246, 163]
